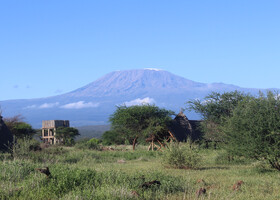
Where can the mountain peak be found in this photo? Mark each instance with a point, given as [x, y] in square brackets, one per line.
[93, 103]
[148, 80]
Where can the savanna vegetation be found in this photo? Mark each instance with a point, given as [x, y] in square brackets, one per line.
[242, 124]
[119, 172]
[238, 157]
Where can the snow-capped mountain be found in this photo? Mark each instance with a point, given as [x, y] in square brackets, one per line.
[93, 103]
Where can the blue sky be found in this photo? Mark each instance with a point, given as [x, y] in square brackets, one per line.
[50, 47]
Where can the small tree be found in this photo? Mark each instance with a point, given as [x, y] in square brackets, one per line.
[112, 137]
[253, 130]
[19, 128]
[138, 122]
[67, 135]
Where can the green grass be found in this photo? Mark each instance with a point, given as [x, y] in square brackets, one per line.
[92, 174]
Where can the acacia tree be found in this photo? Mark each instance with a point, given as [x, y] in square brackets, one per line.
[139, 121]
[66, 134]
[215, 108]
[253, 130]
[19, 128]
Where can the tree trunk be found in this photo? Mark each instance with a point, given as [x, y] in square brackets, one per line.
[134, 143]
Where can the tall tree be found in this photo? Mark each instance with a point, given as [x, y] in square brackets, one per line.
[140, 121]
[253, 130]
[215, 109]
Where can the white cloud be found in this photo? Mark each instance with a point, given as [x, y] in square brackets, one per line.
[30, 107]
[49, 105]
[79, 105]
[139, 101]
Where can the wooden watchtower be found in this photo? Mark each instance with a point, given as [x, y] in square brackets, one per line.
[49, 130]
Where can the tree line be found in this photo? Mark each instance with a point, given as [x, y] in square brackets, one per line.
[22, 130]
[242, 124]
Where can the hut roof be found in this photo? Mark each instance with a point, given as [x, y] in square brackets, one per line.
[6, 137]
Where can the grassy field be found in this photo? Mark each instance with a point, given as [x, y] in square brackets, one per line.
[119, 174]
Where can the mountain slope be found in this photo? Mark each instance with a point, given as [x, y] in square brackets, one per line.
[122, 82]
[93, 103]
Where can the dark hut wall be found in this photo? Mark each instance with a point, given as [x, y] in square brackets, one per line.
[182, 128]
[6, 137]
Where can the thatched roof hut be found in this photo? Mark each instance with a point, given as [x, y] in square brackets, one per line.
[182, 128]
[6, 137]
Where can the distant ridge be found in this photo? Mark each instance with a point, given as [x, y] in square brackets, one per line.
[93, 103]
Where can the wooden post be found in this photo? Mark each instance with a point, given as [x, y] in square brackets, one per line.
[172, 136]
[134, 143]
[149, 147]
[161, 144]
[158, 147]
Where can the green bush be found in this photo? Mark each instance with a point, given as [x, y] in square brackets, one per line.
[23, 147]
[112, 137]
[182, 155]
[92, 143]
[253, 130]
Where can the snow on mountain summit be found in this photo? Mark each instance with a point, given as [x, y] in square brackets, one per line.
[153, 69]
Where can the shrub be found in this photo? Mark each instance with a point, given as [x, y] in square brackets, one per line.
[112, 137]
[23, 147]
[93, 143]
[182, 155]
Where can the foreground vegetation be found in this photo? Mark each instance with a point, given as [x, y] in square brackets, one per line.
[118, 173]
[245, 125]
[244, 162]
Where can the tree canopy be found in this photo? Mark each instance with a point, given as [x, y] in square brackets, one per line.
[67, 134]
[253, 130]
[215, 108]
[248, 125]
[18, 127]
[139, 122]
